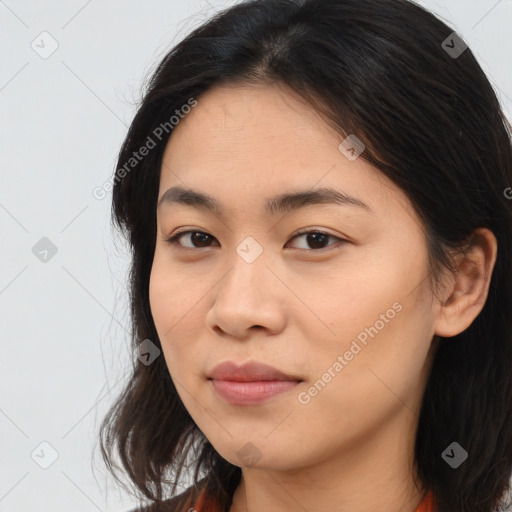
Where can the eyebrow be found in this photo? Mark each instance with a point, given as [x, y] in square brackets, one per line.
[282, 203]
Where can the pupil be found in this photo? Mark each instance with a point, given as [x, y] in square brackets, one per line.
[314, 236]
[200, 235]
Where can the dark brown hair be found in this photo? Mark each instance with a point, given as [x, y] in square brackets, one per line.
[432, 123]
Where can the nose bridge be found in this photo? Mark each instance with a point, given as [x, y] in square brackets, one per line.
[248, 266]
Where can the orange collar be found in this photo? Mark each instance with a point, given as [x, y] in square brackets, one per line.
[199, 504]
[427, 505]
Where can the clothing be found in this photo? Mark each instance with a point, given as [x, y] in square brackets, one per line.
[427, 505]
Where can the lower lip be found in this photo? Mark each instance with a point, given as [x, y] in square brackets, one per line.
[247, 393]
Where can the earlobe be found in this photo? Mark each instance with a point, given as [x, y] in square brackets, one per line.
[470, 285]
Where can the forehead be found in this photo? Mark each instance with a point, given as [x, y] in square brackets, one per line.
[250, 114]
[259, 140]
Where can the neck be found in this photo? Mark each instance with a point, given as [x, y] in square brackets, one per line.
[372, 474]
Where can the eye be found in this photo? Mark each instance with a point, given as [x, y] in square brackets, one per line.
[197, 236]
[317, 238]
[314, 237]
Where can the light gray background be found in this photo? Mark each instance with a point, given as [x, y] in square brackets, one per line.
[64, 322]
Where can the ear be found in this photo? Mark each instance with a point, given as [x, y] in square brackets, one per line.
[466, 295]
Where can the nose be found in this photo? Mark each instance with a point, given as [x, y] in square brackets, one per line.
[249, 296]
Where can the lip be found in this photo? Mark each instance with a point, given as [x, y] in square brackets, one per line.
[250, 371]
[250, 383]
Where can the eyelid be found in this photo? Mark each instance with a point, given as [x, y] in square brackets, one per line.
[307, 230]
[173, 239]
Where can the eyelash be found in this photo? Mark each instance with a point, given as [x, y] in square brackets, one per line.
[173, 240]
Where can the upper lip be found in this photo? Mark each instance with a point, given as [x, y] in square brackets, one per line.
[250, 371]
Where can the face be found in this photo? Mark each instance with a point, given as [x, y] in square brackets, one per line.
[344, 307]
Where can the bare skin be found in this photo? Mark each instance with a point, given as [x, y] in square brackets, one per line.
[302, 302]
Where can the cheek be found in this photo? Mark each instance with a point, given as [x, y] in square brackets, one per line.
[169, 296]
[349, 305]
[381, 327]
[381, 378]
[175, 310]
[165, 310]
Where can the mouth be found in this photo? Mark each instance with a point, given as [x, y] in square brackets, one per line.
[253, 392]
[250, 383]
[250, 371]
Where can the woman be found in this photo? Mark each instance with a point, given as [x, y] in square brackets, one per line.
[315, 194]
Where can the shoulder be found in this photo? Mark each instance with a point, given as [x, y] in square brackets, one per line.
[179, 503]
